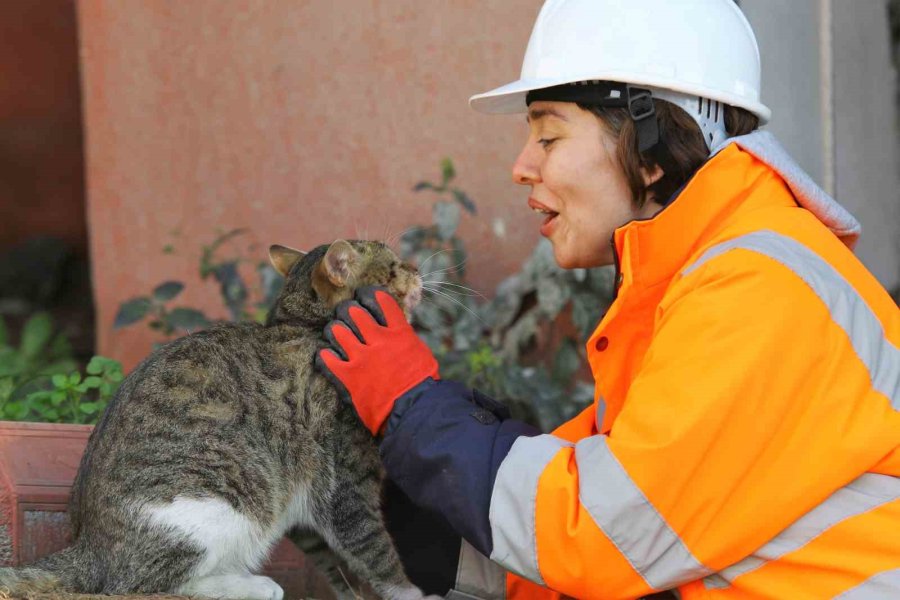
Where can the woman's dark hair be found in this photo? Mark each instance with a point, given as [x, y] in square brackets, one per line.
[681, 139]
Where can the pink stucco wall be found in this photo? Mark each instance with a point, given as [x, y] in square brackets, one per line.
[303, 120]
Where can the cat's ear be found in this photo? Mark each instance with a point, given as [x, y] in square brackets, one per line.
[283, 258]
[338, 262]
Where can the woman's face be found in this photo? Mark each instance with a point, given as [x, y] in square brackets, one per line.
[577, 185]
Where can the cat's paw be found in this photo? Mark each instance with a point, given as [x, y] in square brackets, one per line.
[404, 592]
[268, 589]
[234, 587]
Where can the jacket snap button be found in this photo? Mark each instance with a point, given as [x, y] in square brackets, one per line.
[602, 343]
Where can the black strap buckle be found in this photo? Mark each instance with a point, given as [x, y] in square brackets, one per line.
[640, 103]
[643, 113]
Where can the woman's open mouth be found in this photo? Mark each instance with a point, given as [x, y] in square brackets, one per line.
[549, 216]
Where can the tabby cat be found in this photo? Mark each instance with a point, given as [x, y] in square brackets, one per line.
[222, 441]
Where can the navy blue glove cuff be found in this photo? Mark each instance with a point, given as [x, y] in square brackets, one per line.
[443, 447]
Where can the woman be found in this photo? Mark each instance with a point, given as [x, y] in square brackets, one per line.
[745, 439]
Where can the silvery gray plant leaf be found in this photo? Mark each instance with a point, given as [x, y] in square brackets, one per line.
[566, 361]
[552, 296]
[586, 312]
[601, 279]
[446, 218]
[520, 334]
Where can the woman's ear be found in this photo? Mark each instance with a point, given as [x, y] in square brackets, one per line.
[652, 175]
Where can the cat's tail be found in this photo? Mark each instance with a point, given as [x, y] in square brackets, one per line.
[53, 573]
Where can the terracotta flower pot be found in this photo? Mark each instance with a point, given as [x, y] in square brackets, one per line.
[38, 462]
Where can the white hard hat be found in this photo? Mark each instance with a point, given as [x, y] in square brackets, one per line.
[684, 49]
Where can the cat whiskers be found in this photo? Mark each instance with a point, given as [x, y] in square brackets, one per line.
[425, 262]
[452, 299]
[452, 269]
[466, 291]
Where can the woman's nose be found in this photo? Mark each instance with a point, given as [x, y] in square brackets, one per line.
[526, 170]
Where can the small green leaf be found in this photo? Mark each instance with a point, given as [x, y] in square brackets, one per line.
[12, 363]
[447, 170]
[464, 200]
[6, 388]
[58, 366]
[188, 319]
[168, 290]
[16, 411]
[92, 382]
[132, 311]
[39, 396]
[95, 366]
[74, 378]
[59, 380]
[115, 375]
[36, 334]
[57, 397]
[423, 185]
[260, 314]
[88, 408]
[106, 389]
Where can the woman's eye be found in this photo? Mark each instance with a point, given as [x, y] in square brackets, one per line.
[545, 142]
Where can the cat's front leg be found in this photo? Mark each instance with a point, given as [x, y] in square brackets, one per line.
[356, 531]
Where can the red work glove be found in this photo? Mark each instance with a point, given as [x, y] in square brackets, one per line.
[375, 355]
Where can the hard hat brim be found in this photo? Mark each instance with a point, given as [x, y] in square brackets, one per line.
[510, 98]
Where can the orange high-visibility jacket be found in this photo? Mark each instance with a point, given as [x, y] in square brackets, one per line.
[748, 378]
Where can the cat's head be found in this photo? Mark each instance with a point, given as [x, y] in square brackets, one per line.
[318, 280]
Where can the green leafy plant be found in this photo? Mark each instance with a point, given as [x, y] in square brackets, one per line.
[40, 381]
[235, 293]
[75, 398]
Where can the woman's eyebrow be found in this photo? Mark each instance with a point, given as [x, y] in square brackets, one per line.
[540, 113]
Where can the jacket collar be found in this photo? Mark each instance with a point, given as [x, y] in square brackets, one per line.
[653, 250]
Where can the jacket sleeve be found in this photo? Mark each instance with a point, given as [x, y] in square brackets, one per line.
[742, 417]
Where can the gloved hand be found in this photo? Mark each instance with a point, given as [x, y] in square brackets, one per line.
[375, 355]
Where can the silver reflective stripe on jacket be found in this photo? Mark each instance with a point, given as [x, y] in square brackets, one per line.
[513, 500]
[883, 586]
[866, 493]
[477, 576]
[626, 516]
[617, 506]
[848, 310]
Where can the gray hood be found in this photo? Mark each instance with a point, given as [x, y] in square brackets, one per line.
[808, 194]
